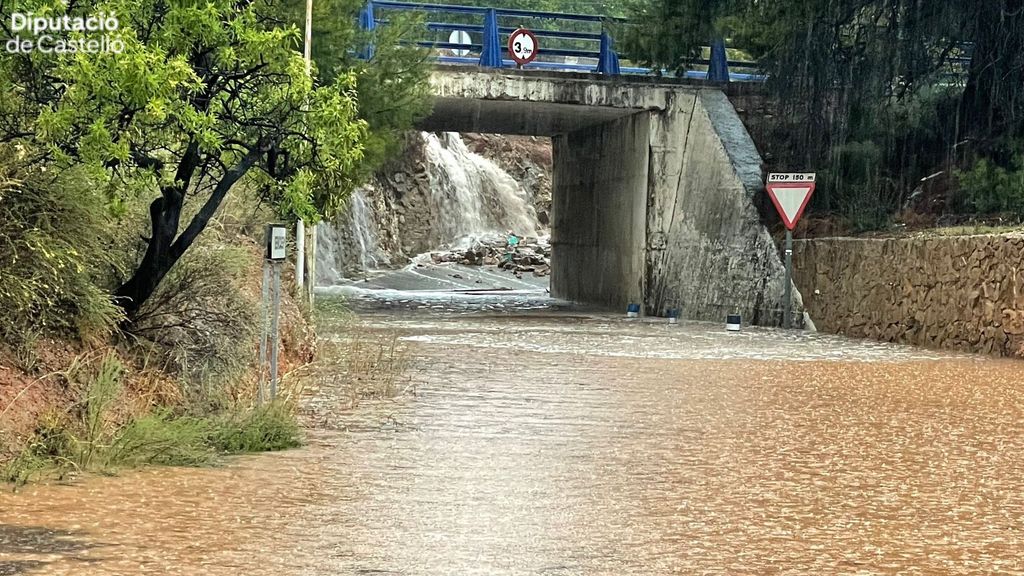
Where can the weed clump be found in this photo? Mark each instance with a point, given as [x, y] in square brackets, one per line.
[95, 435]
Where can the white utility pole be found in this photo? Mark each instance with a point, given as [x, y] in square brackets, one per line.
[303, 278]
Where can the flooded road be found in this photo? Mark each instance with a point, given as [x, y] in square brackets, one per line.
[564, 443]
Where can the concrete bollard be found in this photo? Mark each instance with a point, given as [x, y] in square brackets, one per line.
[633, 311]
[733, 323]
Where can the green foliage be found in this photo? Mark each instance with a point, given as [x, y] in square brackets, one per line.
[161, 438]
[96, 436]
[668, 33]
[392, 86]
[268, 427]
[988, 188]
[102, 390]
[201, 98]
[55, 233]
[923, 82]
[24, 468]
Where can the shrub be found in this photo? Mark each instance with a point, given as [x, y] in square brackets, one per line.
[861, 196]
[55, 237]
[988, 188]
[162, 438]
[269, 427]
[97, 434]
[203, 322]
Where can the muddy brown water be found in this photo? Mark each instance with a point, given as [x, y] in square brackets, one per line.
[560, 444]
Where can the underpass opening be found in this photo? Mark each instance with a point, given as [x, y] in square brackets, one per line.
[652, 189]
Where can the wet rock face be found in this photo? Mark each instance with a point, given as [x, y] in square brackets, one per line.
[959, 293]
[440, 189]
[526, 158]
[530, 256]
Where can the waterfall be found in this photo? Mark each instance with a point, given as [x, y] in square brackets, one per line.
[472, 195]
[349, 246]
[457, 196]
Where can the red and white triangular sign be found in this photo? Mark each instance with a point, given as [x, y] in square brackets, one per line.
[790, 193]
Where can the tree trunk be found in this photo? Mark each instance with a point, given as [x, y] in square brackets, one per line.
[164, 249]
[164, 214]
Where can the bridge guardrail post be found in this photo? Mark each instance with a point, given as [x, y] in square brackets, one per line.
[368, 22]
[490, 56]
[718, 66]
[608, 62]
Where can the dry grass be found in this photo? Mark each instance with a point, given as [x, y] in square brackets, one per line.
[362, 366]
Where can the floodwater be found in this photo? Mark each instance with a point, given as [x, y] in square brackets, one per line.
[556, 442]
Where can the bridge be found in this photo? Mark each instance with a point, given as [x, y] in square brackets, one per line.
[570, 42]
[653, 186]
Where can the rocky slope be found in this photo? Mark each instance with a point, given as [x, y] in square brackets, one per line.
[441, 191]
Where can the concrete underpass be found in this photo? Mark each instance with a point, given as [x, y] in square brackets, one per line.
[652, 190]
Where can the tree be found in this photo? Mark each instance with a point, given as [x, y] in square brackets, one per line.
[669, 34]
[202, 97]
[392, 83]
[874, 94]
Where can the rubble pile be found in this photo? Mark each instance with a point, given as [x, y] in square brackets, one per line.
[531, 256]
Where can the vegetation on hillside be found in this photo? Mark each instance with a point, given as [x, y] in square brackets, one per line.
[876, 95]
[133, 189]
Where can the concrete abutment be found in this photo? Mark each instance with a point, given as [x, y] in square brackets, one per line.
[599, 212]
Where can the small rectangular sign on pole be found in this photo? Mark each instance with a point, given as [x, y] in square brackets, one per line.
[790, 192]
[275, 254]
[277, 242]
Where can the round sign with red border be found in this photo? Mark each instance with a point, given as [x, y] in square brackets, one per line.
[522, 46]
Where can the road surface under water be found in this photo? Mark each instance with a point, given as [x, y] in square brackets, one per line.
[554, 442]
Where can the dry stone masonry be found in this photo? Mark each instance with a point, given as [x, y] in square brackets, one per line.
[961, 293]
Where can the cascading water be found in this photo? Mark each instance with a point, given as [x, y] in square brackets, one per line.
[350, 245]
[473, 196]
[464, 196]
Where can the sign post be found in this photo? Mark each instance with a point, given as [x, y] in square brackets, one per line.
[276, 253]
[790, 192]
[522, 46]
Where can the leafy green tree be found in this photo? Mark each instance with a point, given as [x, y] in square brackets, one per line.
[875, 94]
[392, 83]
[203, 96]
[668, 34]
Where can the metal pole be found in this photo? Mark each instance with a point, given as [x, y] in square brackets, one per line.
[787, 297]
[264, 311]
[307, 52]
[304, 283]
[273, 330]
[311, 265]
[300, 257]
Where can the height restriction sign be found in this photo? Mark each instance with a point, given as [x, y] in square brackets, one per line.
[790, 193]
[522, 46]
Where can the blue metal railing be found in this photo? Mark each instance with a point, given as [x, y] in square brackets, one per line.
[595, 45]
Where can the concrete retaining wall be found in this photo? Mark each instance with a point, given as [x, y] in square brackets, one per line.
[599, 209]
[961, 293]
[708, 253]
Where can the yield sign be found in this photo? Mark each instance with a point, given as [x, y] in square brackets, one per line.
[790, 193]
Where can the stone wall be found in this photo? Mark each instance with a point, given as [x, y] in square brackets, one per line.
[961, 293]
